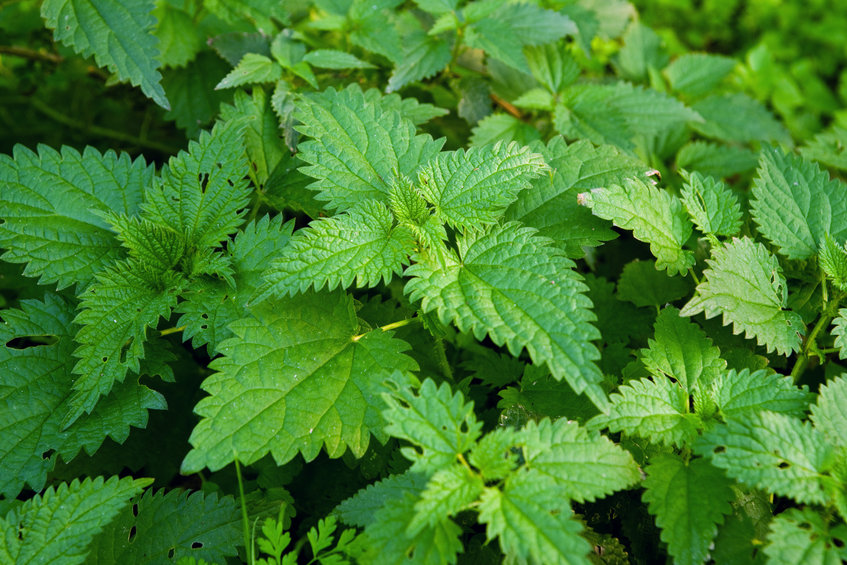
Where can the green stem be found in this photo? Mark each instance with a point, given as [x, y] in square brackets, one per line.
[61, 118]
[245, 522]
[441, 355]
[389, 327]
[31, 54]
[810, 344]
[169, 331]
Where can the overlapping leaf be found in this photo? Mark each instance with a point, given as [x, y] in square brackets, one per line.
[829, 413]
[513, 286]
[739, 393]
[804, 535]
[294, 379]
[744, 282]
[52, 203]
[713, 207]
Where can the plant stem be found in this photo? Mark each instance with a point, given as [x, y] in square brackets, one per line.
[245, 523]
[61, 118]
[809, 345]
[389, 327]
[169, 331]
[26, 53]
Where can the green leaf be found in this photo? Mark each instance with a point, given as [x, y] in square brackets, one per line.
[423, 56]
[357, 146]
[362, 245]
[494, 455]
[202, 193]
[180, 39]
[833, 262]
[654, 216]
[683, 352]
[360, 510]
[437, 421]
[509, 284]
[739, 393]
[52, 203]
[332, 59]
[386, 541]
[644, 285]
[158, 248]
[744, 282]
[449, 491]
[771, 451]
[840, 332]
[828, 413]
[252, 69]
[58, 525]
[552, 66]
[713, 207]
[656, 409]
[803, 535]
[410, 108]
[533, 521]
[551, 206]
[115, 314]
[828, 147]
[39, 377]
[503, 128]
[322, 388]
[210, 306]
[689, 501]
[796, 204]
[471, 189]
[437, 7]
[698, 74]
[583, 465]
[642, 52]
[191, 91]
[719, 161]
[118, 35]
[737, 117]
[164, 527]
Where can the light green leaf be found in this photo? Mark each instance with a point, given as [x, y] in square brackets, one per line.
[115, 314]
[410, 108]
[689, 501]
[771, 451]
[550, 205]
[191, 92]
[118, 35]
[52, 203]
[713, 207]
[719, 161]
[423, 56]
[683, 352]
[654, 216]
[357, 146]
[437, 7]
[644, 285]
[202, 193]
[180, 38]
[449, 491]
[697, 74]
[840, 332]
[211, 305]
[796, 204]
[533, 521]
[295, 378]
[332, 59]
[642, 52]
[157, 247]
[829, 413]
[833, 261]
[437, 421]
[362, 245]
[737, 117]
[828, 147]
[552, 66]
[656, 409]
[167, 526]
[471, 189]
[252, 69]
[57, 526]
[744, 282]
[503, 128]
[514, 287]
[494, 455]
[804, 535]
[738, 393]
[583, 465]
[360, 510]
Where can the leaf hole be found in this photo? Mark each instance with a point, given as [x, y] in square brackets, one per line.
[135, 509]
[197, 545]
[48, 454]
[719, 449]
[27, 341]
[125, 350]
[171, 553]
[804, 526]
[204, 315]
[837, 542]
[230, 183]
[204, 327]
[784, 465]
[105, 359]
[204, 181]
[132, 532]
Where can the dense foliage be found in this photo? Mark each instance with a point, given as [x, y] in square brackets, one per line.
[335, 281]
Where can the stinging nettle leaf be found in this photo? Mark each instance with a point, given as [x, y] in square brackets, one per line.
[202, 193]
[470, 189]
[744, 282]
[52, 206]
[362, 245]
[513, 286]
[719, 161]
[296, 378]
[697, 74]
[738, 118]
[252, 69]
[840, 332]
[713, 207]
[796, 204]
[833, 261]
[333, 59]
[644, 285]
[357, 146]
[689, 501]
[158, 247]
[654, 216]
[118, 35]
[804, 535]
[738, 393]
[828, 413]
[449, 491]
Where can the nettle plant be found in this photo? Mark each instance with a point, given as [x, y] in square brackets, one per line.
[397, 353]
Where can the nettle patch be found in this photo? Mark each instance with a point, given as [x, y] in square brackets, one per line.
[607, 330]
